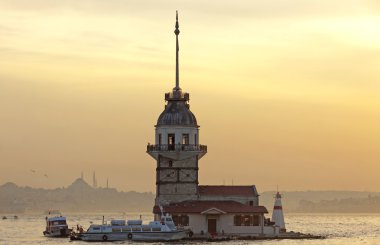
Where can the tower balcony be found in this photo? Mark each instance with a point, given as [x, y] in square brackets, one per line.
[177, 151]
[177, 95]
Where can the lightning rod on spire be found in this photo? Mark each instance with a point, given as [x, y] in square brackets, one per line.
[176, 32]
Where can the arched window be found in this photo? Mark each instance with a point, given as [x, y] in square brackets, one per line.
[185, 139]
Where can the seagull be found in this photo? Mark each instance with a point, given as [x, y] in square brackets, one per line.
[33, 171]
[46, 175]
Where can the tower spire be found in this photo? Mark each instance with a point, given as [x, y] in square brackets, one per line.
[176, 32]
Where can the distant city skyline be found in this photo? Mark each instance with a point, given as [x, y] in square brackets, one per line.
[285, 92]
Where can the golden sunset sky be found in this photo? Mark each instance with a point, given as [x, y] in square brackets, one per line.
[286, 92]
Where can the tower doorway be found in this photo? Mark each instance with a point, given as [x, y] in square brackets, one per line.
[171, 142]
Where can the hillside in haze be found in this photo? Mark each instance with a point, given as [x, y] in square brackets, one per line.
[81, 197]
[78, 197]
[325, 201]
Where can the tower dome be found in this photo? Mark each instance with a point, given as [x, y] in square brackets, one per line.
[177, 112]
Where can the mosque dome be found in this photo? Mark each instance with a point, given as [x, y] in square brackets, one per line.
[177, 113]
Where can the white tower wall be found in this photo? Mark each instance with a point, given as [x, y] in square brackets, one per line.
[278, 214]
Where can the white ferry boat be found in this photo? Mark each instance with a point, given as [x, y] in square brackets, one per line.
[56, 226]
[135, 230]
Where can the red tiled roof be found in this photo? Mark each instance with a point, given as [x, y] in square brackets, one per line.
[227, 190]
[201, 206]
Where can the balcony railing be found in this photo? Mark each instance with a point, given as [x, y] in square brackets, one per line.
[177, 95]
[177, 147]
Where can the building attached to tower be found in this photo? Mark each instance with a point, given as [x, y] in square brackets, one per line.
[203, 208]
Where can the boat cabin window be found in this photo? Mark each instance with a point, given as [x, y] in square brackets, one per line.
[60, 222]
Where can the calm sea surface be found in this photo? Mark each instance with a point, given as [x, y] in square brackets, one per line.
[339, 228]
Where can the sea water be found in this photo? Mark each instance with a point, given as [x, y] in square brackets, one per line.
[338, 228]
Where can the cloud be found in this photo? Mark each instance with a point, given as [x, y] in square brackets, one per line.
[238, 9]
[6, 29]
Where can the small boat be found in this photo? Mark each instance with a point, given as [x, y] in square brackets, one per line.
[135, 230]
[56, 226]
[4, 217]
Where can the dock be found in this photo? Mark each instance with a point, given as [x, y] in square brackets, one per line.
[285, 235]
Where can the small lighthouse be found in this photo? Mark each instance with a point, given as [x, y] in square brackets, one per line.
[278, 215]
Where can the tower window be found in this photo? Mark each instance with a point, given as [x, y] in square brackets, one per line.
[195, 140]
[159, 139]
[185, 139]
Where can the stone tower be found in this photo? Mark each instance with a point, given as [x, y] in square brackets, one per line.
[176, 148]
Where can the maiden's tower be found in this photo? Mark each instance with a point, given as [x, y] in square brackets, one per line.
[205, 209]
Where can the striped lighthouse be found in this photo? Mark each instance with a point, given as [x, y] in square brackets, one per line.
[278, 215]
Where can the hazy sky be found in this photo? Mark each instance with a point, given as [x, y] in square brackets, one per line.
[286, 92]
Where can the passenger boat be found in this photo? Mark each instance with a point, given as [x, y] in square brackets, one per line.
[56, 226]
[135, 230]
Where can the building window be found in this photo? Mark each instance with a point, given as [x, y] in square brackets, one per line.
[159, 139]
[237, 220]
[250, 203]
[246, 220]
[170, 163]
[256, 220]
[185, 139]
[195, 140]
[181, 220]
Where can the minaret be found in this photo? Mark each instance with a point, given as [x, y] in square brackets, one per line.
[278, 215]
[176, 148]
[94, 182]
